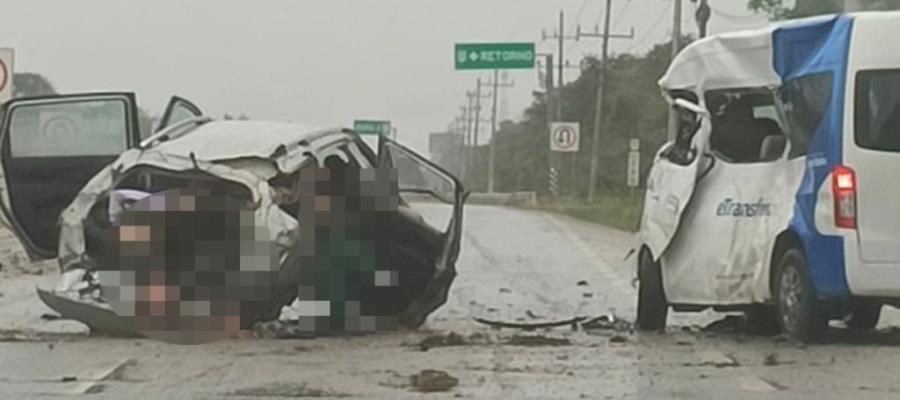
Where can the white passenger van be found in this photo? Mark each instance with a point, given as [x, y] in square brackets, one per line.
[781, 191]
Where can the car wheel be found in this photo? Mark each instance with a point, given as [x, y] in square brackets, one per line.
[652, 307]
[798, 309]
[864, 314]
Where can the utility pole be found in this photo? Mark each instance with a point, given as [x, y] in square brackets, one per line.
[676, 45]
[561, 38]
[477, 96]
[493, 142]
[464, 137]
[601, 89]
[702, 16]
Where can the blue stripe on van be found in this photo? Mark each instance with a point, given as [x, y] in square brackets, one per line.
[799, 51]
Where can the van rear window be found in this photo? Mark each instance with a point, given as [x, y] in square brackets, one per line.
[877, 119]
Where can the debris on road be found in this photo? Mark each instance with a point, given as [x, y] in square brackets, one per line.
[714, 359]
[532, 315]
[608, 322]
[770, 360]
[618, 339]
[505, 290]
[528, 340]
[529, 325]
[432, 380]
[50, 317]
[284, 389]
[448, 340]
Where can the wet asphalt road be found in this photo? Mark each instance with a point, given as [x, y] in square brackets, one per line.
[515, 266]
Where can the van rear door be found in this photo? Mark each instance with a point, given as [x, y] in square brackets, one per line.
[875, 161]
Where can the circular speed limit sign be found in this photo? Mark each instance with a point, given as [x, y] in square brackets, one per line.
[4, 75]
[564, 136]
[60, 128]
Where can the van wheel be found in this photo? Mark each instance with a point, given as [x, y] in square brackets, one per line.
[864, 314]
[798, 309]
[652, 307]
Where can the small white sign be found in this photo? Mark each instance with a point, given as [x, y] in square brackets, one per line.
[565, 136]
[634, 169]
[6, 74]
[634, 144]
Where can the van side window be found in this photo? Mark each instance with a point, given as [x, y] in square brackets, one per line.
[877, 119]
[746, 127]
[806, 102]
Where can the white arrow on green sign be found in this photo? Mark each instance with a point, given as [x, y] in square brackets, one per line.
[494, 56]
[367, 127]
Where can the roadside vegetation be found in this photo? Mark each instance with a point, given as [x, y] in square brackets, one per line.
[615, 210]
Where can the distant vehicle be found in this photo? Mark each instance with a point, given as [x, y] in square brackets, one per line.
[67, 160]
[779, 195]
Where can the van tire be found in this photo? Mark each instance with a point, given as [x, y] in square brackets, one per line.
[799, 312]
[864, 314]
[653, 308]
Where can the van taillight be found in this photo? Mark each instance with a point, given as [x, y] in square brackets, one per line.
[843, 186]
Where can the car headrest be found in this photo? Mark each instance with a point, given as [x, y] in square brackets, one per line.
[769, 126]
[772, 147]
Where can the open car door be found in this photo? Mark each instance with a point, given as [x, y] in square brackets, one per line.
[674, 175]
[433, 237]
[178, 109]
[49, 148]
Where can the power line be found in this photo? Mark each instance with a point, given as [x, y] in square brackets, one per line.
[619, 17]
[650, 32]
[580, 11]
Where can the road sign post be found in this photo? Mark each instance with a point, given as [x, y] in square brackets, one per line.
[475, 56]
[369, 127]
[565, 136]
[6, 74]
[634, 163]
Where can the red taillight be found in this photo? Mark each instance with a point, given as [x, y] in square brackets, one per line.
[843, 186]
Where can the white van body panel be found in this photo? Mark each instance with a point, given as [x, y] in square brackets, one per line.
[722, 254]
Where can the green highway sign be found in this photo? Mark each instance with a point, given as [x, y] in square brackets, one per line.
[378, 128]
[494, 56]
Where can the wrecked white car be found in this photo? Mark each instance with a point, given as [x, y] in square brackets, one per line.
[211, 226]
[778, 196]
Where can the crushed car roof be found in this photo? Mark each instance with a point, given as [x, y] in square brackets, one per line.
[226, 140]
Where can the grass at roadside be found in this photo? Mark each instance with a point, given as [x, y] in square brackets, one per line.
[616, 210]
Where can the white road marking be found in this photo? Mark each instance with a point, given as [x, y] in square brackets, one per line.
[83, 386]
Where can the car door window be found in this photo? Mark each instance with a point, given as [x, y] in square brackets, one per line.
[69, 129]
[178, 109]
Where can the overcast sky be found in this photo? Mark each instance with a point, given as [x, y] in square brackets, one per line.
[317, 61]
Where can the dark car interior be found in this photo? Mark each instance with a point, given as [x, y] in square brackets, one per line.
[744, 126]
